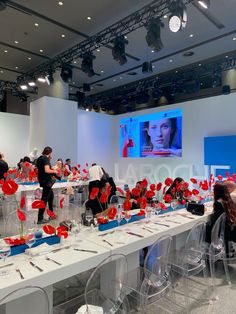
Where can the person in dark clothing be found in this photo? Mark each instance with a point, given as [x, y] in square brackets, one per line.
[222, 204]
[45, 175]
[3, 167]
[94, 204]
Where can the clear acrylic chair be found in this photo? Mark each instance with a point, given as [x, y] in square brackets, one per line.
[151, 283]
[11, 224]
[42, 299]
[190, 260]
[216, 250]
[110, 297]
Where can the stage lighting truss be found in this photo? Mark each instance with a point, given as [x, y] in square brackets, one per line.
[87, 64]
[178, 16]
[153, 37]
[118, 50]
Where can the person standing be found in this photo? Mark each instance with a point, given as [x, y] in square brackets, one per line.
[45, 178]
[3, 167]
[67, 167]
[95, 174]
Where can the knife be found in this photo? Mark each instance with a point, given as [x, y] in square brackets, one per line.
[89, 251]
[107, 242]
[35, 266]
[147, 229]
[59, 249]
[160, 224]
[174, 222]
[104, 234]
[135, 234]
[7, 265]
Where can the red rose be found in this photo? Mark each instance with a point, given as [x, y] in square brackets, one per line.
[144, 183]
[220, 177]
[141, 213]
[120, 190]
[186, 185]
[187, 193]
[62, 232]
[103, 198]
[168, 181]
[162, 206]
[102, 220]
[135, 192]
[227, 174]
[38, 204]
[143, 202]
[9, 187]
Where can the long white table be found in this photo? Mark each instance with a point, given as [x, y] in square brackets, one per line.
[74, 262]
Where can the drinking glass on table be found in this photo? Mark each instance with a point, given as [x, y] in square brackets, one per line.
[174, 204]
[29, 241]
[89, 216]
[75, 230]
[5, 251]
[119, 214]
[127, 216]
[148, 213]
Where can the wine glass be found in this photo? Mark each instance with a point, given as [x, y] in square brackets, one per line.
[174, 204]
[119, 214]
[5, 251]
[127, 217]
[148, 213]
[89, 216]
[75, 230]
[30, 241]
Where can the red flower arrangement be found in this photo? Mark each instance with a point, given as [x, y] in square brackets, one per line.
[167, 198]
[159, 186]
[152, 187]
[59, 231]
[9, 187]
[135, 192]
[168, 181]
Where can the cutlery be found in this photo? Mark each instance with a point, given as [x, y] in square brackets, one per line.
[161, 224]
[61, 248]
[52, 260]
[186, 216]
[89, 251]
[104, 234]
[174, 222]
[107, 242]
[35, 266]
[7, 265]
[20, 273]
[147, 229]
[135, 234]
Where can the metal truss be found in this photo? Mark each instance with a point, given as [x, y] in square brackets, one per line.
[7, 86]
[140, 18]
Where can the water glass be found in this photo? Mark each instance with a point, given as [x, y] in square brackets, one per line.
[5, 251]
[174, 204]
[30, 241]
[89, 216]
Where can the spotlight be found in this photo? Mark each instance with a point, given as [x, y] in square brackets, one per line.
[3, 5]
[118, 50]
[41, 79]
[178, 16]
[31, 83]
[23, 86]
[204, 3]
[66, 73]
[153, 37]
[147, 67]
[87, 64]
[49, 78]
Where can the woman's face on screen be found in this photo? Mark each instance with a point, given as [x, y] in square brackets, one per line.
[160, 132]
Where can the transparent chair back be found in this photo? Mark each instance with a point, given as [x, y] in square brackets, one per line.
[194, 250]
[20, 298]
[110, 297]
[11, 224]
[218, 236]
[69, 212]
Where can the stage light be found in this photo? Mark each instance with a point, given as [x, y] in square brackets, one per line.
[87, 64]
[118, 50]
[147, 67]
[3, 5]
[204, 3]
[31, 83]
[178, 16]
[41, 79]
[23, 86]
[153, 37]
[49, 77]
[66, 73]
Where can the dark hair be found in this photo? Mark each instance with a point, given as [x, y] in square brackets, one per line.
[221, 192]
[0, 156]
[176, 182]
[47, 150]
[68, 159]
[26, 159]
[94, 164]
[102, 184]
[173, 122]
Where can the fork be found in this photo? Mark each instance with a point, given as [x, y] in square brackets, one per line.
[20, 273]
[52, 260]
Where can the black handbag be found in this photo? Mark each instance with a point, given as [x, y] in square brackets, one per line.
[195, 209]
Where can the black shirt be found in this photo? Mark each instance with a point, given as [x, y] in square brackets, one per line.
[3, 168]
[43, 177]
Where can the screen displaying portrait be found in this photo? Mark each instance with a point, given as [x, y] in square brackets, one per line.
[153, 135]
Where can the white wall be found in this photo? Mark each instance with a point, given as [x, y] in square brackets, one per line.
[96, 139]
[205, 117]
[14, 140]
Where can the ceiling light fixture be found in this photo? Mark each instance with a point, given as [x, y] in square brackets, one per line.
[24, 87]
[31, 83]
[87, 64]
[118, 50]
[63, 35]
[153, 37]
[204, 3]
[66, 73]
[89, 18]
[41, 79]
[1, 72]
[36, 24]
[16, 68]
[191, 35]
[60, 3]
[234, 38]
[75, 62]
[41, 50]
[178, 17]
[29, 58]
[16, 42]
[5, 51]
[98, 50]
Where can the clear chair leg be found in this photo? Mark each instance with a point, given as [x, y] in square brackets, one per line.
[226, 270]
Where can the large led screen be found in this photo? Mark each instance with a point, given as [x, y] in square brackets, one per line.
[153, 135]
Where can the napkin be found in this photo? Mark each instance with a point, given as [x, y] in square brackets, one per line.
[40, 249]
[92, 310]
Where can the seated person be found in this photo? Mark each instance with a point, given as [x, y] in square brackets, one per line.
[133, 198]
[176, 190]
[232, 189]
[222, 203]
[95, 204]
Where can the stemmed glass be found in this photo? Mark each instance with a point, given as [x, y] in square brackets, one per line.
[5, 251]
[89, 216]
[29, 241]
[75, 230]
[119, 214]
[148, 213]
[174, 204]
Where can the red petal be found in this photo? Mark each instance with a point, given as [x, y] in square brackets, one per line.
[61, 202]
[152, 187]
[21, 215]
[49, 229]
[159, 186]
[22, 202]
[144, 183]
[9, 187]
[38, 204]
[167, 198]
[168, 181]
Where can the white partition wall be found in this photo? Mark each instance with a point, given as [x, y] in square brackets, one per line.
[53, 122]
[14, 139]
